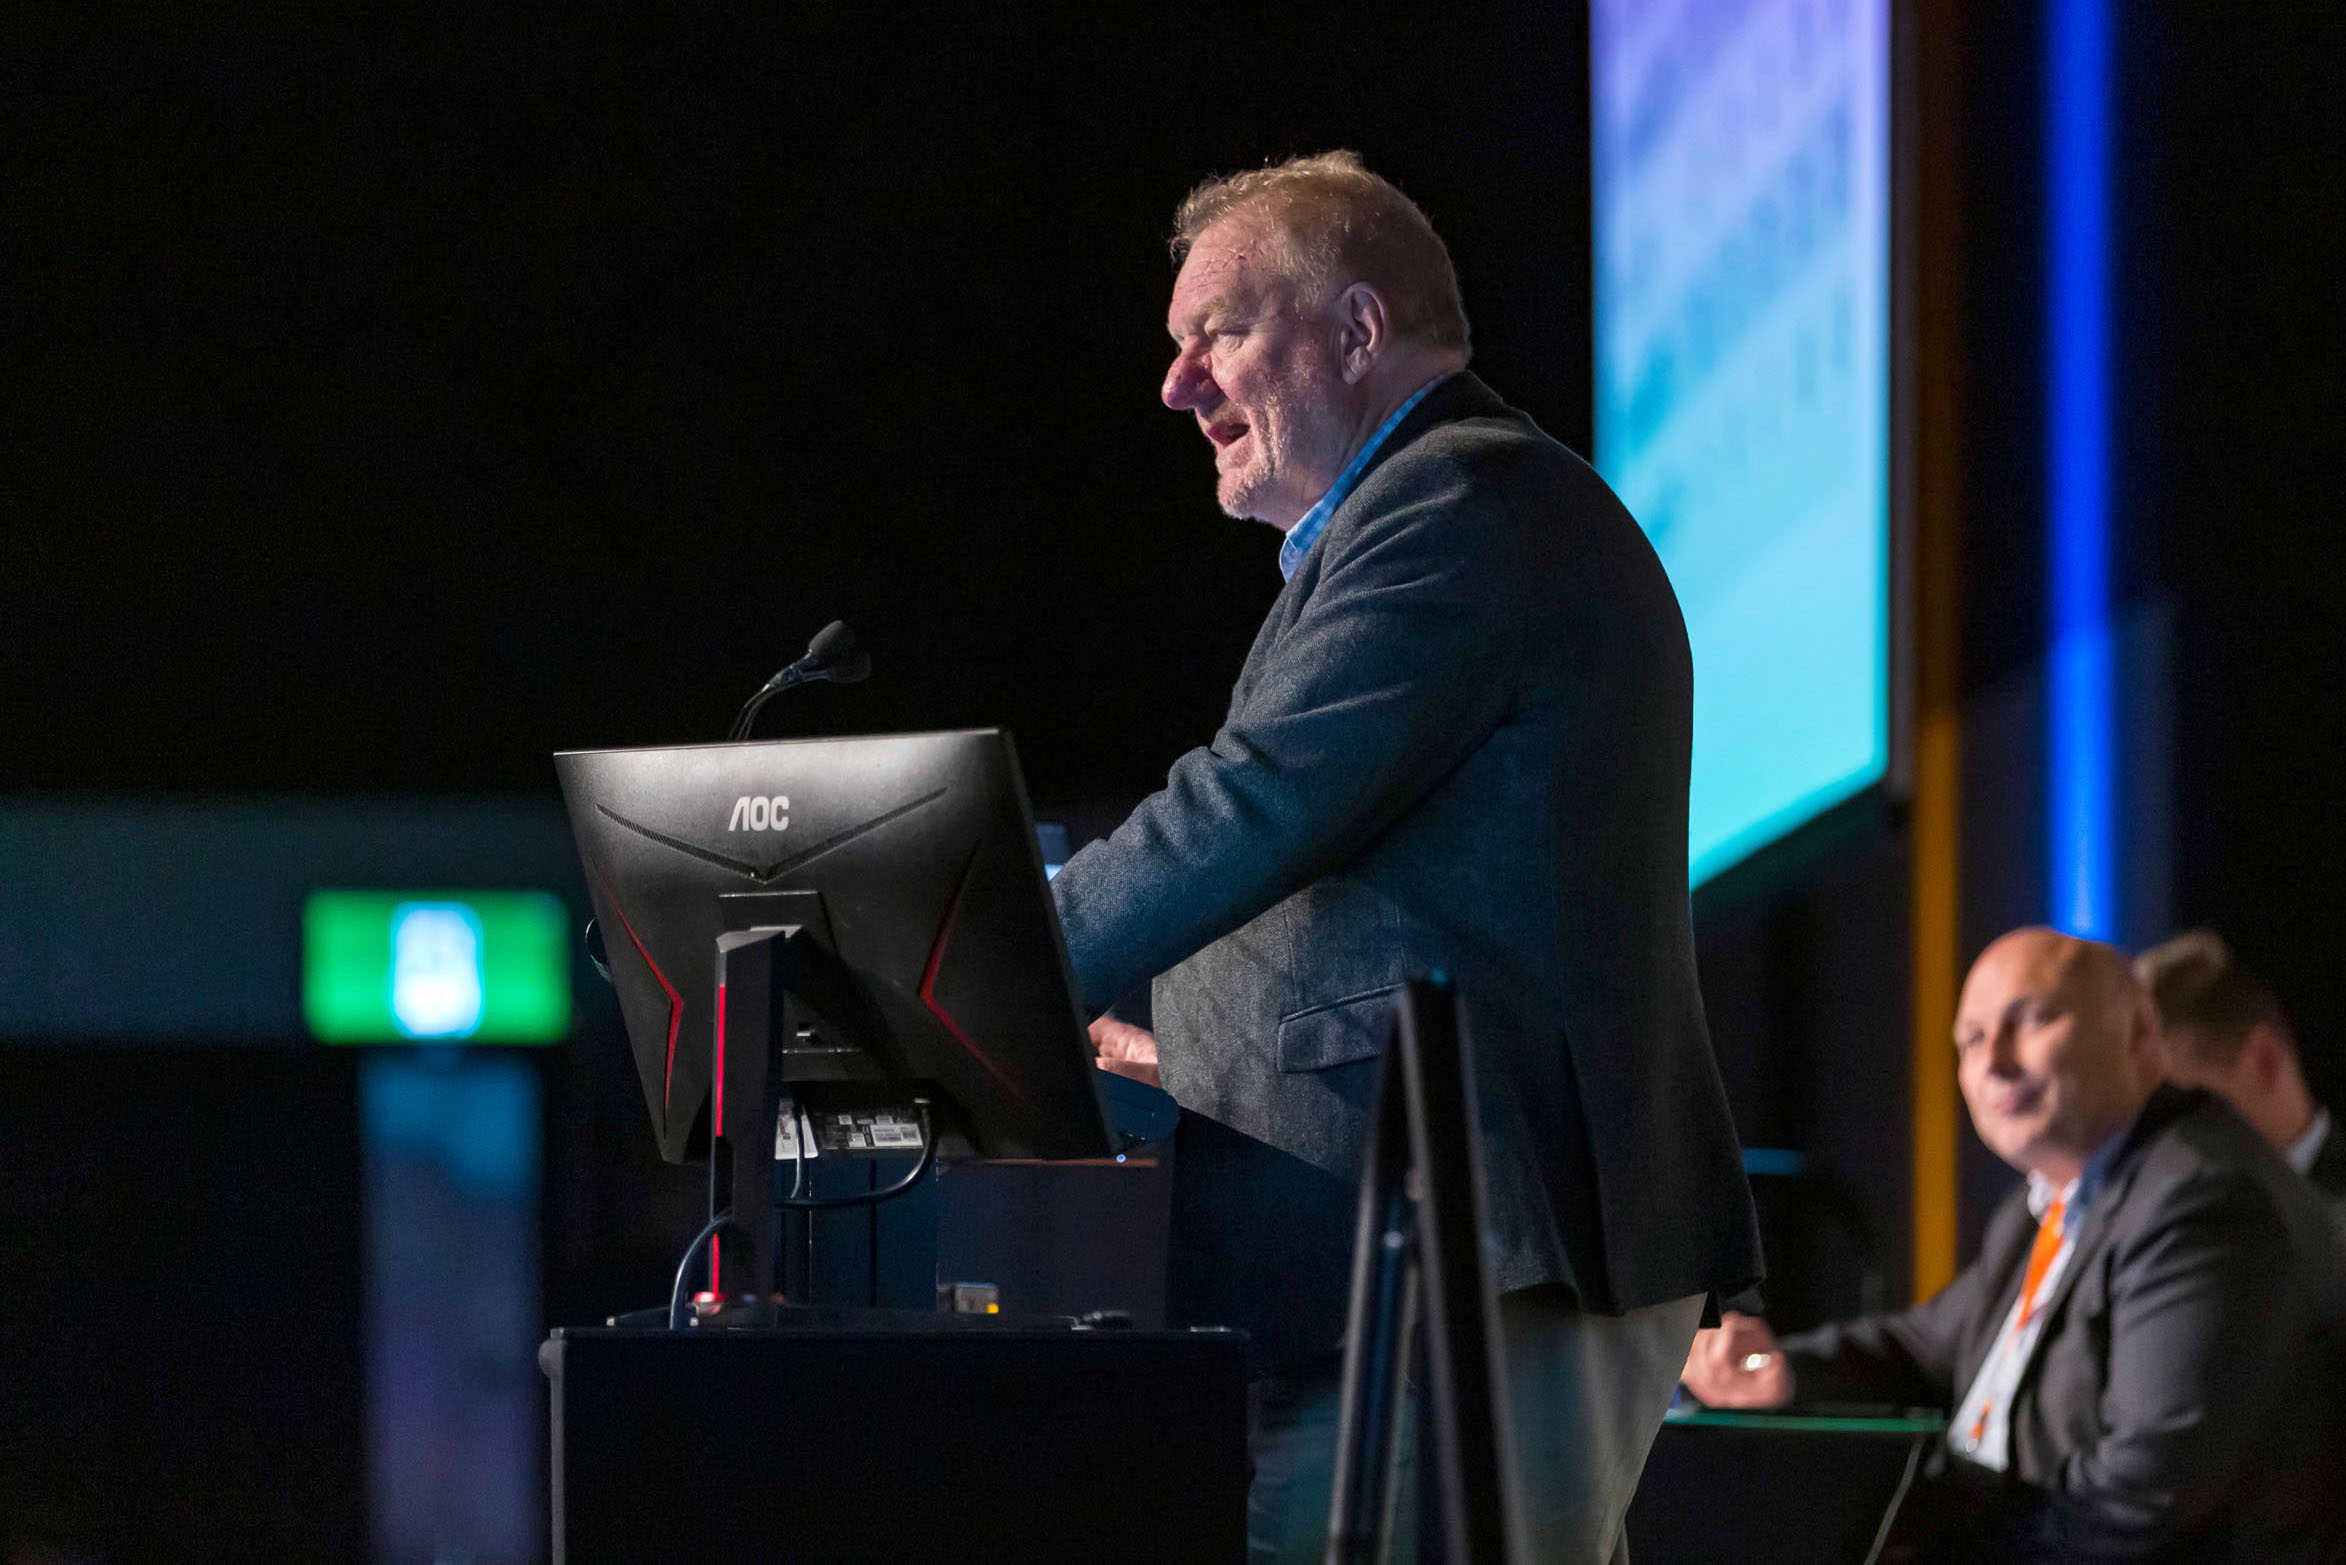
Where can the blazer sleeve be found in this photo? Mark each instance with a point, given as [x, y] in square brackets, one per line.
[1393, 670]
[1906, 1357]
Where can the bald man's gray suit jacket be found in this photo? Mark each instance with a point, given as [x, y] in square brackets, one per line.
[2186, 1396]
[1460, 741]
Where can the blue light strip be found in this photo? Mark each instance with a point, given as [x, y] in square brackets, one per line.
[2081, 678]
[1774, 1162]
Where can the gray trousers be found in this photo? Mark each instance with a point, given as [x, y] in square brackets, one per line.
[1587, 1392]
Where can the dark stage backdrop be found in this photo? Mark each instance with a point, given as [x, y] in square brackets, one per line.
[398, 395]
[2228, 486]
[401, 396]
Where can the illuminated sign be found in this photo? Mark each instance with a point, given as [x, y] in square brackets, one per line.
[417, 966]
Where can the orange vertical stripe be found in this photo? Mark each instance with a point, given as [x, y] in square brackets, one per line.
[1936, 174]
[1935, 944]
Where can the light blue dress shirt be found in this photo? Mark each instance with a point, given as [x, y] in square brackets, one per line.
[1302, 535]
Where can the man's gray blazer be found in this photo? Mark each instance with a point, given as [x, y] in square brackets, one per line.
[1460, 742]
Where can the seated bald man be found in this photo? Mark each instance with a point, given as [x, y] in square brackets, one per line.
[2143, 1362]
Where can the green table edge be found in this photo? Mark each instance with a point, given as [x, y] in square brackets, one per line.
[1813, 1423]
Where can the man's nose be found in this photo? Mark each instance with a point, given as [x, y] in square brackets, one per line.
[2004, 1052]
[1187, 384]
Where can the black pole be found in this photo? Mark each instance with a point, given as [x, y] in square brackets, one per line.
[1467, 1389]
[1376, 1344]
[1418, 1243]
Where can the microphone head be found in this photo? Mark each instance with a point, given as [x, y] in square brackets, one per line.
[833, 655]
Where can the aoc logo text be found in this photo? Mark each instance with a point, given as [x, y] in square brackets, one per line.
[756, 812]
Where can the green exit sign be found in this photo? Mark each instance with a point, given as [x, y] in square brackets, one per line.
[407, 966]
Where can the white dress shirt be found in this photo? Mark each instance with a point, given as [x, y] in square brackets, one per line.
[2307, 1147]
[1982, 1430]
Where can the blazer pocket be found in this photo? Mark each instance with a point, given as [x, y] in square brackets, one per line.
[1337, 1033]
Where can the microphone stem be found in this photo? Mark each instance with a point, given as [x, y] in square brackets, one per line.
[749, 710]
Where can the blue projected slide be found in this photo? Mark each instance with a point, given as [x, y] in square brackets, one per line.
[1742, 379]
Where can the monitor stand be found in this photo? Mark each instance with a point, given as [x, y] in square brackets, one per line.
[773, 983]
[792, 1026]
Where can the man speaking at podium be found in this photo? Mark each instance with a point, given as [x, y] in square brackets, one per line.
[1460, 742]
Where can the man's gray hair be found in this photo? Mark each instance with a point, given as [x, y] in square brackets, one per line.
[1340, 224]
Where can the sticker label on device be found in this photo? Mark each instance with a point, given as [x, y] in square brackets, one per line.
[879, 1130]
[865, 1130]
[790, 1134]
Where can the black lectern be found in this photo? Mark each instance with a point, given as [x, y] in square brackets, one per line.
[928, 1441]
[859, 929]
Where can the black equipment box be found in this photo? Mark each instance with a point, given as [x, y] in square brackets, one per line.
[1772, 1488]
[957, 1441]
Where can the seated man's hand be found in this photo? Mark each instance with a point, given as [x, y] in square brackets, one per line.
[1738, 1365]
[1125, 1049]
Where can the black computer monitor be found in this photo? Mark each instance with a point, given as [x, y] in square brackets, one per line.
[909, 858]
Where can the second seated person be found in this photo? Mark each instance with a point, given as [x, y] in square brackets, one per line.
[2221, 1027]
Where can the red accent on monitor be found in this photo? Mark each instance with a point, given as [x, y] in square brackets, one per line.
[717, 1079]
[716, 1129]
[928, 987]
[675, 1004]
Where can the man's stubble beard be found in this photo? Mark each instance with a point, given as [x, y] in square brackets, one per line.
[1239, 493]
[1242, 494]
[1238, 503]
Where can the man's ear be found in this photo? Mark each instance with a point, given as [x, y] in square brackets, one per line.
[2265, 1055]
[1362, 331]
[2143, 1039]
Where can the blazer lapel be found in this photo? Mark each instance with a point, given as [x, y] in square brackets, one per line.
[1462, 395]
[2004, 1251]
[2091, 1233]
[2164, 1105]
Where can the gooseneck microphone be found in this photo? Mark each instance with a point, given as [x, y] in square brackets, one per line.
[832, 655]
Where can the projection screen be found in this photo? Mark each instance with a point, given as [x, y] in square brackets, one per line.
[1741, 153]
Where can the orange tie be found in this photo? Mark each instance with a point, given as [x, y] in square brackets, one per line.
[2040, 1258]
[2040, 1261]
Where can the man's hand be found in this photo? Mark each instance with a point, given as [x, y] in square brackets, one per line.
[1738, 1365]
[1125, 1049]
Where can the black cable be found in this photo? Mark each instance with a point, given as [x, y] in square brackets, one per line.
[871, 1228]
[809, 1205]
[802, 1134]
[721, 1221]
[1898, 1498]
[928, 1156]
[806, 1253]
